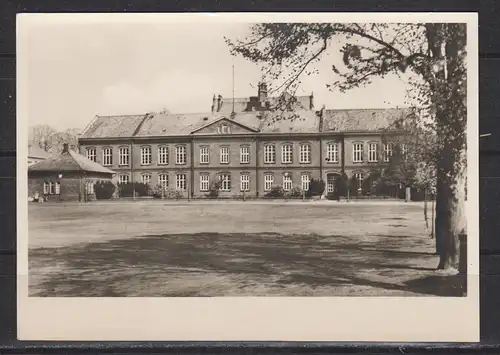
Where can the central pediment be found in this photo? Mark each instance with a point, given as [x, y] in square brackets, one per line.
[223, 126]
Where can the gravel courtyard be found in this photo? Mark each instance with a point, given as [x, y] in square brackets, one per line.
[233, 248]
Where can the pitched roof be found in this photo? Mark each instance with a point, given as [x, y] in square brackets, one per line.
[300, 120]
[168, 124]
[69, 161]
[113, 126]
[361, 119]
[245, 104]
[36, 152]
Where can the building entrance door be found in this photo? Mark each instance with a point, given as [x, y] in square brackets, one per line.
[330, 183]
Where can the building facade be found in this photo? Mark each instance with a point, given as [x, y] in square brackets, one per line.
[68, 176]
[247, 144]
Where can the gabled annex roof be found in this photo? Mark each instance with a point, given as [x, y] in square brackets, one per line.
[36, 152]
[67, 161]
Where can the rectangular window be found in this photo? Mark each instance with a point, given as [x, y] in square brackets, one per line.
[224, 155]
[46, 188]
[357, 153]
[387, 152]
[163, 155]
[269, 154]
[287, 182]
[286, 154]
[107, 156]
[180, 182]
[359, 179]
[89, 188]
[372, 152]
[124, 155]
[58, 187]
[332, 152]
[245, 182]
[305, 153]
[268, 182]
[51, 188]
[225, 180]
[123, 179]
[305, 179]
[91, 154]
[204, 182]
[163, 181]
[404, 151]
[180, 154]
[244, 155]
[204, 155]
[146, 178]
[145, 155]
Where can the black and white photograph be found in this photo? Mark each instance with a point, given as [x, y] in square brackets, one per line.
[233, 166]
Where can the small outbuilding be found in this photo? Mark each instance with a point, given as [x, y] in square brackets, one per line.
[68, 176]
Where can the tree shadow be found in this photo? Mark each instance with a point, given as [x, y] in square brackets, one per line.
[307, 261]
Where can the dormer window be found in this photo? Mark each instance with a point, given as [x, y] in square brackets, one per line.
[224, 128]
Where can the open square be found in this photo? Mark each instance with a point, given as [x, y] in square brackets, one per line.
[233, 248]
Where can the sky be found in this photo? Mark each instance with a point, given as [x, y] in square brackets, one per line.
[75, 70]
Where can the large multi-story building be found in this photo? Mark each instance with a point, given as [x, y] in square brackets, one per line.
[248, 144]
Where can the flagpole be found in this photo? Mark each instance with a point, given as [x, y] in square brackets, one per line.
[233, 90]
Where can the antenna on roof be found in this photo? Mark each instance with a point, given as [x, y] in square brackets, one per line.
[232, 112]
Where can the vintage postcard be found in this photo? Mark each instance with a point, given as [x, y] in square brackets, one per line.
[248, 177]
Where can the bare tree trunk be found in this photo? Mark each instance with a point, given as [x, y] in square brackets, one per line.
[450, 217]
[425, 209]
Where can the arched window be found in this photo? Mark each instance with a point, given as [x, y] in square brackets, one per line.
[146, 178]
[305, 153]
[332, 152]
[91, 154]
[162, 155]
[123, 179]
[287, 153]
[146, 155]
[124, 156]
[357, 152]
[107, 156]
[269, 154]
[163, 180]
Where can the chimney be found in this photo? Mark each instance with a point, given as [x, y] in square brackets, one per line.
[321, 115]
[262, 92]
[219, 103]
[65, 148]
[311, 101]
[214, 102]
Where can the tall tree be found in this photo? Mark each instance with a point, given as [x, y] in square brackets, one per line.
[50, 140]
[41, 136]
[435, 53]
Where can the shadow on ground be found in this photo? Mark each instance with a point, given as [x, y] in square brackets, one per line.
[239, 264]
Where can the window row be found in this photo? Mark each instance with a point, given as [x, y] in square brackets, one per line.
[332, 154]
[163, 180]
[146, 155]
[224, 180]
[51, 188]
[373, 154]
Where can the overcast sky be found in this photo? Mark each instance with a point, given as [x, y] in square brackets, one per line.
[78, 69]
